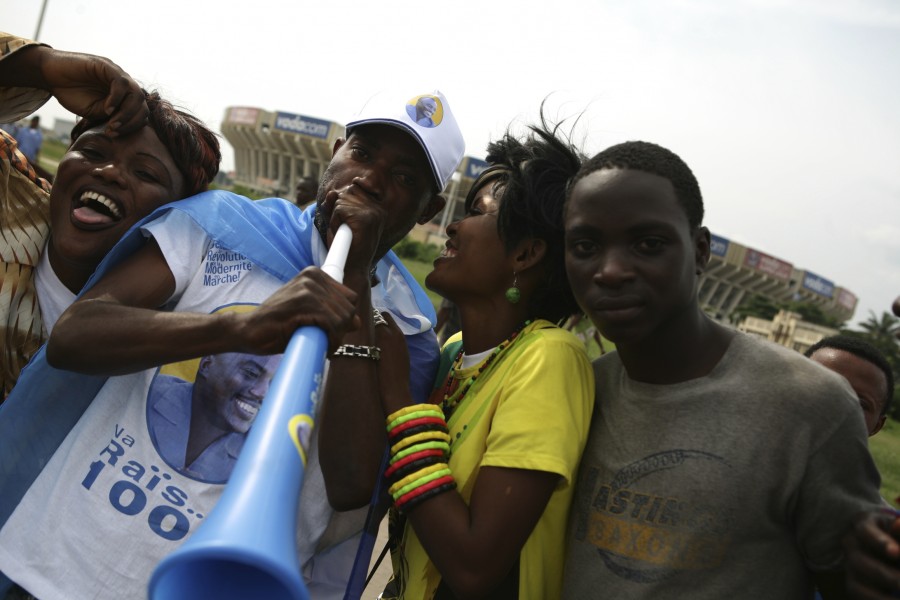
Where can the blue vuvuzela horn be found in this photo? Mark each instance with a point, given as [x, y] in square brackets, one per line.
[246, 547]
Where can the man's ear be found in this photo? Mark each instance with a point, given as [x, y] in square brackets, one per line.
[702, 246]
[203, 366]
[528, 253]
[878, 425]
[337, 146]
[435, 204]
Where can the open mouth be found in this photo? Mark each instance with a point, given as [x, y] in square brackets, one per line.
[96, 209]
[247, 409]
[448, 252]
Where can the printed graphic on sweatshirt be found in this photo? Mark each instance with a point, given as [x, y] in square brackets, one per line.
[224, 266]
[658, 516]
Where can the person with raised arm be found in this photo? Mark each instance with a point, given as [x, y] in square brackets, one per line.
[481, 476]
[131, 152]
[217, 274]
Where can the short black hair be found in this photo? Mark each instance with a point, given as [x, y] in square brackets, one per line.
[532, 177]
[864, 350]
[651, 158]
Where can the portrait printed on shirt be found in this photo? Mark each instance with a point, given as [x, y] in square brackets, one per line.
[199, 411]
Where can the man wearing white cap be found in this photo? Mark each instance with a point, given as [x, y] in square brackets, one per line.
[217, 274]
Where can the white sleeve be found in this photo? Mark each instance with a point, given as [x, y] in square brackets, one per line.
[183, 243]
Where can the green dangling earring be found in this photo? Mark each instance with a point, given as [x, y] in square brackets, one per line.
[513, 294]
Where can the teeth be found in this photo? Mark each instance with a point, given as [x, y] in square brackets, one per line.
[250, 409]
[101, 199]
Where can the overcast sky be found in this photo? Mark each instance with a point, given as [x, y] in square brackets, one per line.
[788, 111]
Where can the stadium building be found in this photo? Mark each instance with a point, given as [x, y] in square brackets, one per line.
[273, 150]
[736, 272]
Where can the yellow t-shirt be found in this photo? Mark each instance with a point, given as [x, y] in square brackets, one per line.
[531, 410]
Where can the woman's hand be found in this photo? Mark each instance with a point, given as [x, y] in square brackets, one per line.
[393, 368]
[90, 86]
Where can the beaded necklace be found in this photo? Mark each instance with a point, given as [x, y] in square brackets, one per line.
[452, 400]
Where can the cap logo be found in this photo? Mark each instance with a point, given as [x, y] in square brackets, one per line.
[425, 111]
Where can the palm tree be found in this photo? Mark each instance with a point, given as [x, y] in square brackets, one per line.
[882, 330]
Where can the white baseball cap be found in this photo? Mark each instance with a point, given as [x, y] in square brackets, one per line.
[428, 119]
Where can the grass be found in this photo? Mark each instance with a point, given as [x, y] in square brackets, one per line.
[419, 270]
[52, 151]
[885, 449]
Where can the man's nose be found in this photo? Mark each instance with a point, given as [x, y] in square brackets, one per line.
[614, 268]
[259, 388]
[371, 182]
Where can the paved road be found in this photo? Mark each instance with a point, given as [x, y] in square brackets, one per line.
[384, 570]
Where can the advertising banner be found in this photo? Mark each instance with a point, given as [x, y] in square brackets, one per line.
[769, 265]
[847, 299]
[241, 115]
[818, 285]
[474, 167]
[718, 245]
[301, 124]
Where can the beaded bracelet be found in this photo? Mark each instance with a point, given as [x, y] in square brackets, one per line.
[408, 505]
[420, 494]
[421, 482]
[420, 449]
[415, 423]
[433, 412]
[416, 465]
[425, 495]
[415, 431]
[431, 456]
[417, 491]
[406, 460]
[412, 478]
[437, 436]
[417, 496]
[443, 446]
[401, 481]
[411, 409]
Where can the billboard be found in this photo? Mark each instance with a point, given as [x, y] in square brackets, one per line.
[818, 285]
[769, 265]
[718, 245]
[241, 115]
[474, 167]
[847, 299]
[301, 124]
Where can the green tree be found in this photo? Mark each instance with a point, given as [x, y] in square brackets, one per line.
[881, 332]
[755, 306]
[882, 329]
[764, 308]
[409, 248]
[811, 313]
[244, 191]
